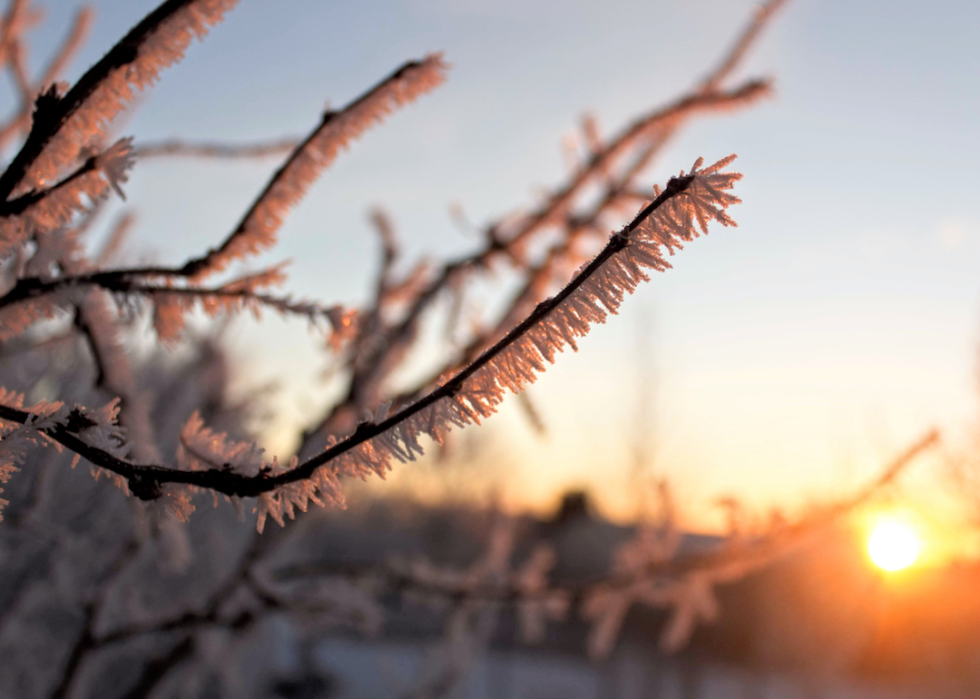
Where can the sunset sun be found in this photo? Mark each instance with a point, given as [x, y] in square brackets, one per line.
[893, 546]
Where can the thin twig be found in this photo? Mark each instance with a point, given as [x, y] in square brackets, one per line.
[186, 149]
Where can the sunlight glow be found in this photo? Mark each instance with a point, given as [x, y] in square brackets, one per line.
[893, 546]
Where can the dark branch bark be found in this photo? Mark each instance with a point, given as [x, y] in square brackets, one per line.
[155, 670]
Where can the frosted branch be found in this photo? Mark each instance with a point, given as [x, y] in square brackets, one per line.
[677, 214]
[40, 211]
[231, 151]
[260, 225]
[171, 305]
[65, 125]
[507, 238]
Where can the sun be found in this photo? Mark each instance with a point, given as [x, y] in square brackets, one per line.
[893, 546]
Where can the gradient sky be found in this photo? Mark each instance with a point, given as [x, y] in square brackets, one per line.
[790, 356]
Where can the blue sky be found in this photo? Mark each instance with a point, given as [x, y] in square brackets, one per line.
[791, 355]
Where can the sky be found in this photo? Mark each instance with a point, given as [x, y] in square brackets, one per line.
[781, 362]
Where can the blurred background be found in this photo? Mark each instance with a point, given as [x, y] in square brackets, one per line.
[769, 376]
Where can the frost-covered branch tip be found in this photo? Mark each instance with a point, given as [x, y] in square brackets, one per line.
[258, 228]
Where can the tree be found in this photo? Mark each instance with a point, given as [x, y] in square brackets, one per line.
[68, 315]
